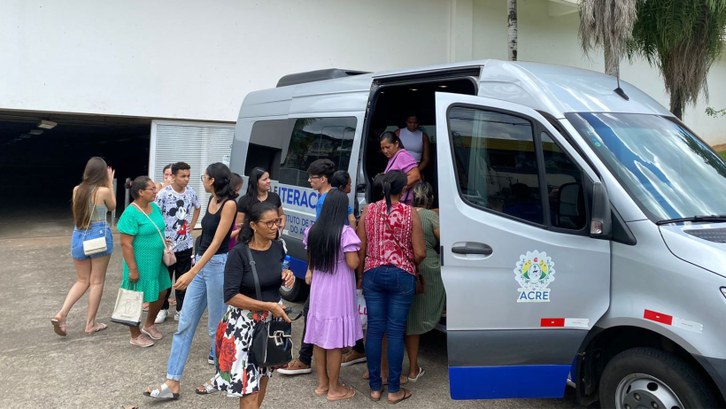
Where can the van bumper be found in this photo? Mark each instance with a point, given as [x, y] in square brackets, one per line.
[716, 369]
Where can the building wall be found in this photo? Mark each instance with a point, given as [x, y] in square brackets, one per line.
[184, 59]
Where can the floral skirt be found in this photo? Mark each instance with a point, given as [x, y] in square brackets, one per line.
[235, 374]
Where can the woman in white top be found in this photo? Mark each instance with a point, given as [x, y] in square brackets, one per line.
[415, 141]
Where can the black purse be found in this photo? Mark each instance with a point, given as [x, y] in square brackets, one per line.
[271, 340]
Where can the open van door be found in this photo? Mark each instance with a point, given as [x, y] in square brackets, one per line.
[525, 279]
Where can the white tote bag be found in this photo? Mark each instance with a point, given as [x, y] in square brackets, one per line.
[128, 307]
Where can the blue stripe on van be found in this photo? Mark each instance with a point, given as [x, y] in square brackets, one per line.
[298, 267]
[501, 382]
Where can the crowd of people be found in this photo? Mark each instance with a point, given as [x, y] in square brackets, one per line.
[390, 252]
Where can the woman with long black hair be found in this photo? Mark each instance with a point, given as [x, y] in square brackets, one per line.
[332, 321]
[204, 283]
[258, 190]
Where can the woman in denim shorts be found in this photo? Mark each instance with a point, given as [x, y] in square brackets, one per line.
[92, 199]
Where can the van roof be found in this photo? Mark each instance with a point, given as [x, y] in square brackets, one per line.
[553, 89]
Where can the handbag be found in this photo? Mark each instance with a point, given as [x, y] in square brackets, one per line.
[98, 244]
[168, 257]
[127, 310]
[271, 340]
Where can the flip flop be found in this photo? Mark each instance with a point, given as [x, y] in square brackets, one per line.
[406, 394]
[162, 393]
[99, 327]
[349, 394]
[320, 393]
[376, 395]
[418, 375]
[59, 327]
[205, 389]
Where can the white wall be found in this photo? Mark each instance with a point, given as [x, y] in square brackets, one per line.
[184, 59]
[548, 38]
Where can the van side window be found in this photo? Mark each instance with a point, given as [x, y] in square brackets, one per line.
[496, 162]
[317, 138]
[564, 186]
[497, 167]
[267, 140]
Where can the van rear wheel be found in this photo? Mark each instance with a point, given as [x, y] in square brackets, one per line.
[651, 378]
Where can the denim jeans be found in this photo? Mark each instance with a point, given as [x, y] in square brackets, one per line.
[205, 290]
[388, 291]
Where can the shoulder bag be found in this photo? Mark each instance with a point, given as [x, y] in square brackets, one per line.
[98, 244]
[169, 257]
[271, 340]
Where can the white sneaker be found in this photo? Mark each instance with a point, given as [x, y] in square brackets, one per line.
[161, 317]
[176, 316]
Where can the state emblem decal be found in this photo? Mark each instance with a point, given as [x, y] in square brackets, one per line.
[534, 273]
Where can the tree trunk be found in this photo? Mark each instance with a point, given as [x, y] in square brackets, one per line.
[512, 29]
[612, 62]
[677, 103]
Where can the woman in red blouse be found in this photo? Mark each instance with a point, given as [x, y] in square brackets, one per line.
[392, 243]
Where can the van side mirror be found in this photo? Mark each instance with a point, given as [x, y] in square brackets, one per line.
[601, 221]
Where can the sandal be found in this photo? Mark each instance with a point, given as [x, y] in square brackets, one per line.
[162, 393]
[59, 327]
[205, 389]
[418, 375]
[376, 395]
[349, 393]
[406, 394]
[96, 328]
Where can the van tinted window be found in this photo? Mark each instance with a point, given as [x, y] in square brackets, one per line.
[498, 168]
[317, 138]
[286, 147]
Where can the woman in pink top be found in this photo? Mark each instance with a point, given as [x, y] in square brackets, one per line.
[400, 159]
[392, 243]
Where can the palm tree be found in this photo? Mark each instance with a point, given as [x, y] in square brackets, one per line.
[512, 29]
[607, 23]
[683, 38]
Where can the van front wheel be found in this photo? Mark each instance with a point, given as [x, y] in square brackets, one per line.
[647, 377]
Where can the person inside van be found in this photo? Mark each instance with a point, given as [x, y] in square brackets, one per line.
[400, 159]
[415, 141]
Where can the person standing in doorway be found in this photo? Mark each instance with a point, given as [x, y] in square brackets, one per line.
[180, 206]
[415, 141]
[91, 200]
[319, 174]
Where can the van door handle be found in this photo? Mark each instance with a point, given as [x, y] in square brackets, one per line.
[473, 247]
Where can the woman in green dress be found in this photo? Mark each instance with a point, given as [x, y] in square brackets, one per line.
[426, 309]
[140, 226]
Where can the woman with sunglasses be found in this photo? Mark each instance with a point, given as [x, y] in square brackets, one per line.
[204, 283]
[258, 190]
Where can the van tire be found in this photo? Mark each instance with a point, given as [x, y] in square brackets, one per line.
[297, 293]
[640, 376]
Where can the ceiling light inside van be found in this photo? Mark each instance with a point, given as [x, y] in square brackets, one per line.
[35, 131]
[443, 86]
[413, 89]
[47, 124]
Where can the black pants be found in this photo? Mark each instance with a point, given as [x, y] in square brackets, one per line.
[183, 264]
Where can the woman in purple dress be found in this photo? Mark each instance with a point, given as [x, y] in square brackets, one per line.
[332, 322]
[400, 159]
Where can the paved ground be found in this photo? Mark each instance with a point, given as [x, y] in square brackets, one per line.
[40, 369]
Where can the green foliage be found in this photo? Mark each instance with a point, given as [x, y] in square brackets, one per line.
[683, 38]
[715, 113]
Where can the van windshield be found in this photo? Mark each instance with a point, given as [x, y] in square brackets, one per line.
[668, 171]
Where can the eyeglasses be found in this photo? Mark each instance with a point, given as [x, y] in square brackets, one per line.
[153, 189]
[270, 223]
[203, 177]
[314, 177]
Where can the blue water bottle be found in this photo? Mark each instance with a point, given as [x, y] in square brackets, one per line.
[286, 266]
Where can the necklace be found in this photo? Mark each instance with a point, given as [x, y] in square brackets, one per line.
[259, 247]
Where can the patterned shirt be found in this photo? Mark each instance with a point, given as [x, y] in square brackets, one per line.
[389, 237]
[178, 209]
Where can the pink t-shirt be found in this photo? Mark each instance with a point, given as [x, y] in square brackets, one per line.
[404, 162]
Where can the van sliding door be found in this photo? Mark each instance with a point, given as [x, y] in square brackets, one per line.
[524, 280]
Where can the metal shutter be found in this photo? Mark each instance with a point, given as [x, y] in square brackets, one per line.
[196, 143]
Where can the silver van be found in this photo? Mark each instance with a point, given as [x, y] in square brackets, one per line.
[582, 224]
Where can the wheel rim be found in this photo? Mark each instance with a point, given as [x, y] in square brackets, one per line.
[643, 391]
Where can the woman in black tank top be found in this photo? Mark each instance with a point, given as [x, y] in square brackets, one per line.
[204, 283]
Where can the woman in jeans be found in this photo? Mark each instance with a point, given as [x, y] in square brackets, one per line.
[393, 244]
[91, 200]
[204, 283]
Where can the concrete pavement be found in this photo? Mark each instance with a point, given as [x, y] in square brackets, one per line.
[40, 369]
